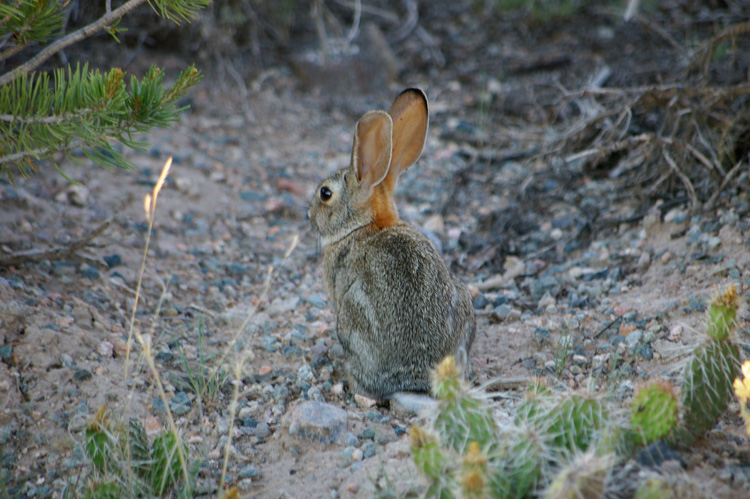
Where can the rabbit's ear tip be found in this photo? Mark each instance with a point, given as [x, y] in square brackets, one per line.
[414, 92]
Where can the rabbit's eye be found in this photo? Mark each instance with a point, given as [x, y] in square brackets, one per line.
[325, 193]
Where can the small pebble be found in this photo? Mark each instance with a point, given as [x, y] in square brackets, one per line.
[180, 404]
[250, 471]
[89, 272]
[480, 302]
[675, 333]
[366, 434]
[364, 402]
[113, 260]
[630, 316]
[82, 375]
[351, 440]
[346, 457]
[262, 430]
[647, 351]
[369, 449]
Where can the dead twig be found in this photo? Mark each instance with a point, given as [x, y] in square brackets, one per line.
[510, 383]
[60, 253]
[704, 55]
[727, 178]
[412, 18]
[683, 177]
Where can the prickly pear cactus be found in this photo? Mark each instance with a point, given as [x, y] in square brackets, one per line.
[463, 416]
[434, 461]
[722, 315]
[584, 476]
[474, 473]
[654, 412]
[523, 460]
[100, 442]
[577, 419]
[709, 375]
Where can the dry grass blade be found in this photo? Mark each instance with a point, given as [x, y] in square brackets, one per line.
[145, 340]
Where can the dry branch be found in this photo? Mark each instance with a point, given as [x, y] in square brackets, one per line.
[703, 56]
[59, 253]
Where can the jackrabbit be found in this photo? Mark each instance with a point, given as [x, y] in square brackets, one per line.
[399, 309]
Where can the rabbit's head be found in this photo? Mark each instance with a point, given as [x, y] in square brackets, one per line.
[385, 144]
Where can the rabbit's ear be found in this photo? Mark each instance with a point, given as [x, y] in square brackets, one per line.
[410, 117]
[371, 155]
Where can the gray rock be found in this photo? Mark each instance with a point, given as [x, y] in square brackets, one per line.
[404, 404]
[314, 393]
[304, 373]
[480, 302]
[647, 351]
[634, 338]
[250, 471]
[180, 404]
[269, 343]
[366, 434]
[319, 422]
[282, 306]
[262, 430]
[346, 457]
[82, 375]
[6, 352]
[630, 316]
[222, 425]
[368, 449]
[316, 301]
[66, 360]
[501, 312]
[351, 440]
[294, 428]
[158, 404]
[544, 285]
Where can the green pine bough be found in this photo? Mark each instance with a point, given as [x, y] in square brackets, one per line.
[77, 108]
[84, 109]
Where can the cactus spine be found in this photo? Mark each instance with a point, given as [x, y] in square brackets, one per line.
[653, 413]
[708, 379]
[585, 476]
[463, 416]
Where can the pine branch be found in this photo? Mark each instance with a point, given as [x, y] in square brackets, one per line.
[10, 12]
[86, 109]
[69, 40]
[174, 10]
[81, 108]
[10, 52]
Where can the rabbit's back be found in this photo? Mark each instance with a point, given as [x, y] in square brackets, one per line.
[400, 310]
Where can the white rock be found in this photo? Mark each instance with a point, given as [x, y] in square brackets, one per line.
[105, 349]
